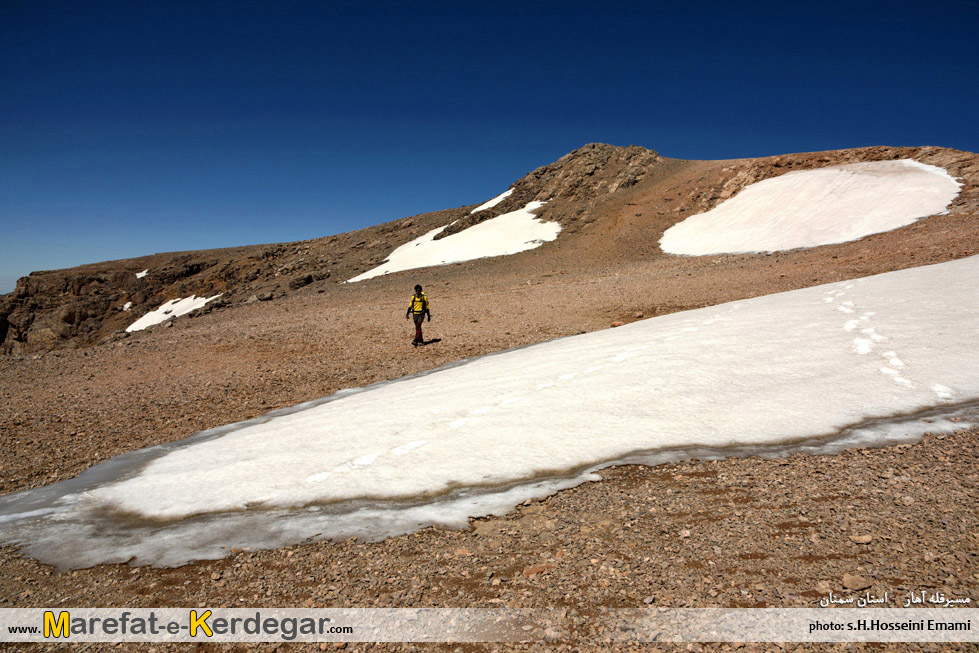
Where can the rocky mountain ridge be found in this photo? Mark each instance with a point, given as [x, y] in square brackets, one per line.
[594, 190]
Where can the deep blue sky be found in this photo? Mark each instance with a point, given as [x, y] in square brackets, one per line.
[128, 128]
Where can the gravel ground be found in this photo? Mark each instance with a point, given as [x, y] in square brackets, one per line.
[731, 533]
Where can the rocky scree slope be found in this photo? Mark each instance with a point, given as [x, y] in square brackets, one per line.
[595, 186]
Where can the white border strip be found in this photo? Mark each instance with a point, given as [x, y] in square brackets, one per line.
[69, 625]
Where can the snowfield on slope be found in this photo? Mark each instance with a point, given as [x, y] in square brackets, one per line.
[509, 233]
[780, 367]
[808, 208]
[167, 310]
[769, 370]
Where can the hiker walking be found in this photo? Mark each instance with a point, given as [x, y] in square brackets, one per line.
[419, 309]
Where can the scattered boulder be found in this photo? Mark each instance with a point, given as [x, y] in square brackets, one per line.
[301, 281]
[855, 583]
[532, 570]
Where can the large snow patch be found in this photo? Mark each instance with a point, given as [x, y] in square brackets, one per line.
[779, 367]
[808, 208]
[509, 233]
[762, 372]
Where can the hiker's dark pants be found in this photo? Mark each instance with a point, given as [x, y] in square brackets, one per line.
[419, 318]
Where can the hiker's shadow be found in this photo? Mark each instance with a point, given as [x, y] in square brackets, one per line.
[428, 342]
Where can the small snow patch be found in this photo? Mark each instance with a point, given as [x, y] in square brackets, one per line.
[173, 308]
[493, 202]
[140, 275]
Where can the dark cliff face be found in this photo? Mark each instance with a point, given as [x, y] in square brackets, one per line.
[69, 307]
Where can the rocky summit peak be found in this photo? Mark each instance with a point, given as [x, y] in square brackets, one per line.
[589, 172]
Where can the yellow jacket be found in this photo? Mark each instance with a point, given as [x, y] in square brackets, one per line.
[418, 304]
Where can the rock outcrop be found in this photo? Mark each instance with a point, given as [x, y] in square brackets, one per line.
[580, 178]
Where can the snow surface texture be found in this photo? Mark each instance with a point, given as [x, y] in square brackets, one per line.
[808, 208]
[764, 372]
[505, 234]
[493, 202]
[172, 308]
[140, 275]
